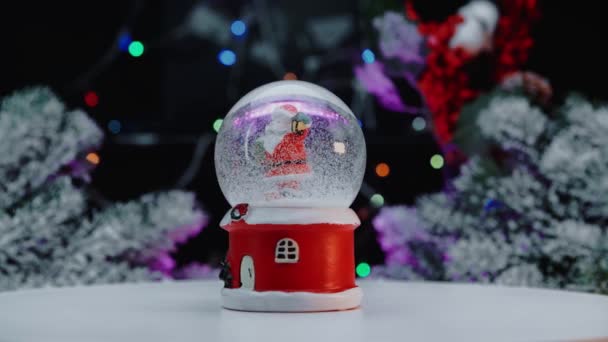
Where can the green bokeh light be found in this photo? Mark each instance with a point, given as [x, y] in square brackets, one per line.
[136, 48]
[377, 200]
[363, 269]
[217, 124]
[436, 161]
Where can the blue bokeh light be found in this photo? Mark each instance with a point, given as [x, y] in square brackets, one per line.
[227, 57]
[114, 126]
[238, 28]
[124, 40]
[368, 56]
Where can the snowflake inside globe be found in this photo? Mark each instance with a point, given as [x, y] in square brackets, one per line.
[290, 144]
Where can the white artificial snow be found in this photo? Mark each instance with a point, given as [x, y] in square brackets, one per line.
[278, 301]
[300, 216]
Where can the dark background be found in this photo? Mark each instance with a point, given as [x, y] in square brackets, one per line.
[168, 98]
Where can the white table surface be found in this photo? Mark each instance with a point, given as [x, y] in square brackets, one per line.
[391, 311]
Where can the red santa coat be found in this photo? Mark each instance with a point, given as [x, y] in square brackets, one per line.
[289, 156]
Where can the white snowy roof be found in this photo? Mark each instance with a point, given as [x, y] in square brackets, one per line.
[267, 215]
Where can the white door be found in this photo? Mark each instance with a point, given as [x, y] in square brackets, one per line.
[247, 273]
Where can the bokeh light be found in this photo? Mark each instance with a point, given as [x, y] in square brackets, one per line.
[437, 161]
[368, 56]
[227, 57]
[114, 126]
[217, 124]
[290, 76]
[383, 170]
[377, 200]
[93, 158]
[418, 124]
[91, 99]
[136, 48]
[124, 40]
[238, 28]
[363, 269]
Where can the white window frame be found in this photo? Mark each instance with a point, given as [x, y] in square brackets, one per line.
[285, 248]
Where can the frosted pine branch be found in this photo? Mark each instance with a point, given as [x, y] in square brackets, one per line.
[37, 137]
[140, 228]
[47, 245]
[576, 161]
[521, 275]
[49, 233]
[539, 221]
[36, 233]
[513, 123]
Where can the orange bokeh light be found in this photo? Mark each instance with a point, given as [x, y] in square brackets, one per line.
[382, 170]
[290, 76]
[93, 158]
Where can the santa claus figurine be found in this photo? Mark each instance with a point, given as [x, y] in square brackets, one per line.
[281, 150]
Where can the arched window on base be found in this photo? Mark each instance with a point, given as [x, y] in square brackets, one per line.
[287, 251]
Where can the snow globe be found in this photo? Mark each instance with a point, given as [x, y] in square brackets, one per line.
[290, 158]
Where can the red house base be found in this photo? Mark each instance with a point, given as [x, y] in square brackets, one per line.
[290, 259]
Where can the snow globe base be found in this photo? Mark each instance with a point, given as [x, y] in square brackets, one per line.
[279, 301]
[290, 259]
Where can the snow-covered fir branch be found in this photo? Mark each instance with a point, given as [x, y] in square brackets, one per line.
[513, 123]
[50, 235]
[542, 221]
[52, 240]
[38, 136]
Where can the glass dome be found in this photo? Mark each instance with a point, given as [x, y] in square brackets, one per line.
[290, 144]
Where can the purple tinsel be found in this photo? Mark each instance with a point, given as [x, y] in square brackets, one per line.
[373, 79]
[401, 46]
[399, 38]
